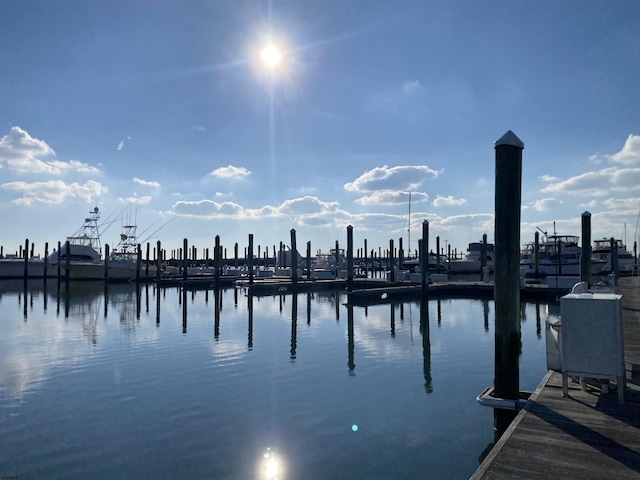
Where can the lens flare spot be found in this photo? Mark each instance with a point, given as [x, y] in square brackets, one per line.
[271, 56]
[271, 466]
[354, 427]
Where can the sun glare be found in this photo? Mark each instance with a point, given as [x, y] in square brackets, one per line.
[271, 56]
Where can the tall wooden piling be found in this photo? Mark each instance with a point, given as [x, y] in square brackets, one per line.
[250, 258]
[217, 261]
[46, 259]
[158, 259]
[309, 260]
[138, 262]
[107, 253]
[508, 186]
[423, 245]
[294, 259]
[26, 258]
[185, 259]
[349, 258]
[67, 262]
[392, 273]
[585, 256]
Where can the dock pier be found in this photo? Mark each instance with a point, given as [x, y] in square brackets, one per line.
[587, 435]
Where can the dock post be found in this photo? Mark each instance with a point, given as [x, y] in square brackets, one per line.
[309, 260]
[615, 265]
[217, 260]
[146, 268]
[349, 258]
[423, 245]
[585, 256]
[26, 259]
[365, 260]
[250, 258]
[392, 273]
[107, 252]
[46, 259]
[536, 255]
[185, 258]
[483, 255]
[138, 262]
[67, 263]
[158, 259]
[294, 260]
[58, 260]
[438, 254]
[508, 194]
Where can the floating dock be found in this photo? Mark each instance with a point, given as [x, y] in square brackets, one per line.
[587, 435]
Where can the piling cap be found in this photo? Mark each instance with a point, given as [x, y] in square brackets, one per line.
[509, 138]
[586, 213]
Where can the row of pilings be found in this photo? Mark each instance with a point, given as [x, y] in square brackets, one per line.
[375, 262]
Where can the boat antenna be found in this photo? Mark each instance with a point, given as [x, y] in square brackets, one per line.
[543, 231]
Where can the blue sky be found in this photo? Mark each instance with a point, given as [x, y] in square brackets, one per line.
[163, 111]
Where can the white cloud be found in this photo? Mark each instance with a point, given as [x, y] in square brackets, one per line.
[231, 172]
[597, 184]
[139, 200]
[449, 201]
[120, 145]
[22, 153]
[403, 178]
[630, 153]
[146, 183]
[55, 191]
[545, 204]
[392, 197]
[304, 210]
[199, 128]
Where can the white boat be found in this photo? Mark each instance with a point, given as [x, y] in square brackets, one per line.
[472, 261]
[123, 259]
[557, 255]
[602, 252]
[328, 266]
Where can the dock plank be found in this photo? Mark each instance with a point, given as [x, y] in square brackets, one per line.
[587, 435]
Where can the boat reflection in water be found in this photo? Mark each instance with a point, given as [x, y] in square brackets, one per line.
[123, 381]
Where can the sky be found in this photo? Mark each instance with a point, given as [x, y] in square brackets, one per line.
[379, 115]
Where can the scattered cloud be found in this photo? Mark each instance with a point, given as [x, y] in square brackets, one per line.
[140, 200]
[630, 153]
[597, 184]
[120, 145]
[402, 178]
[449, 201]
[545, 204]
[55, 191]
[392, 197]
[199, 128]
[146, 183]
[21, 153]
[231, 172]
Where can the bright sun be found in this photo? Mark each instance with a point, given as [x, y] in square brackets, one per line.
[271, 56]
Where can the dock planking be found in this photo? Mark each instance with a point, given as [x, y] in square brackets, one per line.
[588, 435]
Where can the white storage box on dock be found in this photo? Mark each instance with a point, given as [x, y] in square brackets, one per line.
[591, 338]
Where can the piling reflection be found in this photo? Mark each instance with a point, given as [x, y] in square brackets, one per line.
[250, 321]
[426, 345]
[350, 341]
[216, 309]
[294, 326]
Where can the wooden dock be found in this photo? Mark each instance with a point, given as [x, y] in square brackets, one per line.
[588, 435]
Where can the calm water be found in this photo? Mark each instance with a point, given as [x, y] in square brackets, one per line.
[99, 383]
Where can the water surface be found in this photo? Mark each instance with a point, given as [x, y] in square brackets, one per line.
[116, 382]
